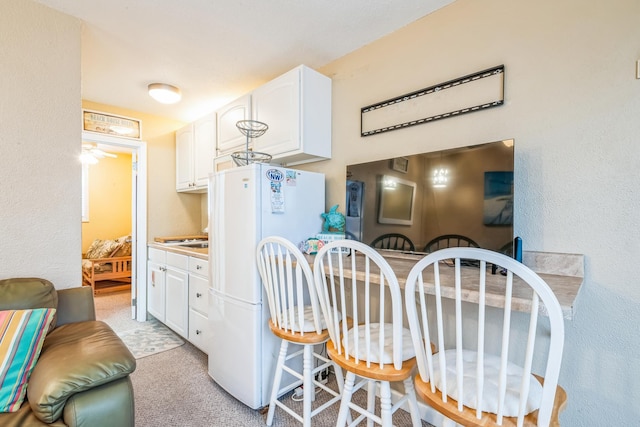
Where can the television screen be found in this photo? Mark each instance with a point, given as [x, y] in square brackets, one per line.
[465, 191]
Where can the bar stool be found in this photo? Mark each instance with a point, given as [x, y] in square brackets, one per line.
[295, 318]
[378, 351]
[464, 378]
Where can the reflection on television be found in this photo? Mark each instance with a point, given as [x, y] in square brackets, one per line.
[477, 200]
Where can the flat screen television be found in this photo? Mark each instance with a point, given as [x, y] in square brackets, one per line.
[465, 191]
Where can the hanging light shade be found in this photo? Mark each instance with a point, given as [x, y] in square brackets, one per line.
[440, 177]
[164, 93]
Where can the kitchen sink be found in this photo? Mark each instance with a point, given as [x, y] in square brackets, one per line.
[200, 245]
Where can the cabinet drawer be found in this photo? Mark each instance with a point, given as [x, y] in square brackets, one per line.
[199, 266]
[199, 330]
[177, 261]
[198, 295]
[157, 255]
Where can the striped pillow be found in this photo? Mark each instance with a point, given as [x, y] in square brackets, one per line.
[22, 333]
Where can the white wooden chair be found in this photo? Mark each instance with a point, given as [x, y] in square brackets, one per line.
[485, 363]
[295, 318]
[383, 353]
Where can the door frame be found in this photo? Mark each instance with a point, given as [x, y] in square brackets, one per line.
[138, 217]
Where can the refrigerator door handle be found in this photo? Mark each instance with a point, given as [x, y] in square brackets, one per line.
[218, 239]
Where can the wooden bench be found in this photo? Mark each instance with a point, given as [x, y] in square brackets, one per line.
[107, 266]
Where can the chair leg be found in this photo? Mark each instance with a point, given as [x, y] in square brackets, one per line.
[347, 391]
[410, 391]
[340, 381]
[276, 381]
[385, 404]
[308, 385]
[371, 400]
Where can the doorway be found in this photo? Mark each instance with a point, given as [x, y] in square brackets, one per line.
[138, 150]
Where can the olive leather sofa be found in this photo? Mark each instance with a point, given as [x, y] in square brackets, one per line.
[81, 377]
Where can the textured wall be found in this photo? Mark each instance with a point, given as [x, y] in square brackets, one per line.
[573, 108]
[40, 127]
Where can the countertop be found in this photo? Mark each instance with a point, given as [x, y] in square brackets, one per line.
[564, 273]
[202, 253]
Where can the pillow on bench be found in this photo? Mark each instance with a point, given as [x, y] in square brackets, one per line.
[109, 248]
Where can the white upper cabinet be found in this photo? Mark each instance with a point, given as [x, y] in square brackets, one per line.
[229, 137]
[184, 158]
[204, 136]
[297, 108]
[195, 150]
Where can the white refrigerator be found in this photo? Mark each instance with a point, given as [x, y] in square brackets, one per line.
[247, 204]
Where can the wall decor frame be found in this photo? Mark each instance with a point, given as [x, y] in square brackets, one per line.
[498, 198]
[400, 164]
[396, 200]
[104, 123]
[474, 92]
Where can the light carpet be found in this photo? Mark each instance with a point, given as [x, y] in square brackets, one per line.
[173, 388]
[150, 338]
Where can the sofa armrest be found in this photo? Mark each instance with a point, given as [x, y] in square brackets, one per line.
[107, 405]
[75, 305]
[75, 358]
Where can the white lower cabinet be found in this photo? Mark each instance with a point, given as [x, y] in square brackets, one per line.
[177, 294]
[199, 303]
[156, 291]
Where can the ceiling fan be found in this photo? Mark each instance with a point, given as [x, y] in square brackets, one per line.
[91, 153]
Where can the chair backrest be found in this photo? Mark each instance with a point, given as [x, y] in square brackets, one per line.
[435, 321]
[394, 241]
[449, 241]
[288, 282]
[356, 282]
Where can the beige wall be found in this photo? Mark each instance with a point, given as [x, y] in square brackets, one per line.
[573, 107]
[169, 213]
[39, 143]
[109, 200]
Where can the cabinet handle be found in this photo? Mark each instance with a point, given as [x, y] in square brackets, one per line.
[198, 295]
[198, 331]
[198, 267]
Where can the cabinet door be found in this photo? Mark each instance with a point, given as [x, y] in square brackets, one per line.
[199, 330]
[156, 290]
[184, 158]
[277, 103]
[177, 301]
[229, 137]
[198, 298]
[204, 144]
[223, 163]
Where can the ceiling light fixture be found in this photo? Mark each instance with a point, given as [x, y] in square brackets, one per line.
[164, 93]
[91, 153]
[440, 177]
